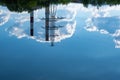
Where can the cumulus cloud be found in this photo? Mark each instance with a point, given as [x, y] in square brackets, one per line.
[21, 28]
[4, 16]
[106, 21]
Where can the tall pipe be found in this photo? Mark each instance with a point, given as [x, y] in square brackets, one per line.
[47, 23]
[32, 23]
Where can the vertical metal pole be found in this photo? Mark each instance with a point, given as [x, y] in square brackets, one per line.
[32, 23]
[47, 23]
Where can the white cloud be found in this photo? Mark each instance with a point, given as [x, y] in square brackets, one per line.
[102, 31]
[117, 42]
[4, 16]
[22, 25]
[106, 20]
[91, 29]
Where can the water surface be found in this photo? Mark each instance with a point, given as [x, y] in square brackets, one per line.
[86, 46]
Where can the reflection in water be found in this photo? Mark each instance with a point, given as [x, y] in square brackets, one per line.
[56, 28]
[83, 57]
[51, 25]
[106, 23]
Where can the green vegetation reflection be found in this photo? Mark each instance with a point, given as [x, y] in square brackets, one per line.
[28, 5]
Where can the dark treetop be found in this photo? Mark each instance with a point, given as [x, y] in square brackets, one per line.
[28, 5]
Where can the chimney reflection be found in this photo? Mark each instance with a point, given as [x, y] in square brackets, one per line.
[47, 23]
[32, 23]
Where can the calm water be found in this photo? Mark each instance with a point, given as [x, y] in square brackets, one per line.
[86, 44]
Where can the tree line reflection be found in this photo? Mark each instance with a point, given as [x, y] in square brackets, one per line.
[28, 5]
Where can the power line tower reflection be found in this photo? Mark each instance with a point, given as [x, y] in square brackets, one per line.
[53, 10]
[50, 22]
